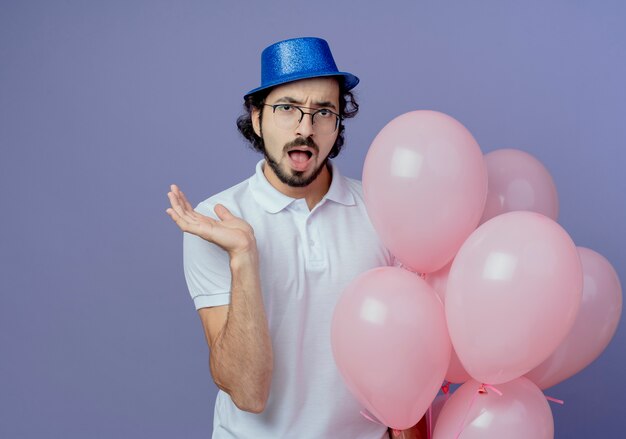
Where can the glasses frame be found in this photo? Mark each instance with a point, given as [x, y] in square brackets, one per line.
[302, 113]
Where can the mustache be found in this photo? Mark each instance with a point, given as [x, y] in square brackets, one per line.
[301, 141]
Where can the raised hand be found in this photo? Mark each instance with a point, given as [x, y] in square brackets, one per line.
[231, 233]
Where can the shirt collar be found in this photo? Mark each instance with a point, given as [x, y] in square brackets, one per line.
[273, 201]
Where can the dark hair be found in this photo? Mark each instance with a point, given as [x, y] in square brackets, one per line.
[348, 108]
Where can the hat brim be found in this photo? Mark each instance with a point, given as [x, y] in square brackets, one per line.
[349, 81]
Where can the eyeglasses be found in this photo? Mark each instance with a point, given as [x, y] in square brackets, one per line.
[286, 117]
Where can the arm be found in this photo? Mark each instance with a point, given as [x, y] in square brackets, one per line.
[241, 359]
[241, 352]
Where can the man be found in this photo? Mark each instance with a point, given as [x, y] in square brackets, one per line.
[266, 260]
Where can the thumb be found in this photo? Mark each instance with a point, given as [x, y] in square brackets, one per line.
[222, 212]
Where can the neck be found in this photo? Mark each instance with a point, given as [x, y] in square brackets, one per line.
[313, 193]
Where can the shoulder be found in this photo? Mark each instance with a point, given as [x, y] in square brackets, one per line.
[233, 198]
[355, 187]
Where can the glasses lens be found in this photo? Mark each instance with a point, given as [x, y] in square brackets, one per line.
[289, 117]
[325, 121]
[286, 116]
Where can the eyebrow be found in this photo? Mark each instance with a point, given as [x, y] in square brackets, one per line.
[291, 100]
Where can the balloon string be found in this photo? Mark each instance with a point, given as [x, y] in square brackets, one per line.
[429, 430]
[366, 416]
[445, 388]
[489, 386]
[482, 389]
[466, 414]
[422, 275]
[558, 401]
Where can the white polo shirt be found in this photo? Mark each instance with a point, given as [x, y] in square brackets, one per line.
[306, 260]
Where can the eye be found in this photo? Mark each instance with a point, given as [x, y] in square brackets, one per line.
[324, 113]
[284, 108]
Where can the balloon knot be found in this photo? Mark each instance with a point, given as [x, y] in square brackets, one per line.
[445, 388]
[483, 389]
[396, 433]
[404, 267]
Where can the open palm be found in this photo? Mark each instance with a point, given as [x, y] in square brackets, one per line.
[231, 233]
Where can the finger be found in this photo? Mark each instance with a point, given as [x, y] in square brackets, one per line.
[175, 202]
[187, 204]
[204, 231]
[182, 200]
[180, 222]
[175, 190]
[223, 213]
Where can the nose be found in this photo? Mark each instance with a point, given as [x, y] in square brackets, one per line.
[305, 127]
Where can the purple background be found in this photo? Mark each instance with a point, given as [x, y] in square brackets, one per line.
[104, 104]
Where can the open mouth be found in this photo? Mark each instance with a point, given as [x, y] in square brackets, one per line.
[300, 156]
[300, 159]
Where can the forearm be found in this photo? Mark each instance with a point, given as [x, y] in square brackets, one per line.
[241, 357]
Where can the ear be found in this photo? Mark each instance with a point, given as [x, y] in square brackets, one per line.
[256, 122]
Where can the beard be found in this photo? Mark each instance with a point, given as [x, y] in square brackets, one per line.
[296, 178]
